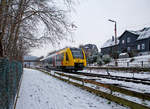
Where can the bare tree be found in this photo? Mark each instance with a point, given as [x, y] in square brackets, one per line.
[20, 19]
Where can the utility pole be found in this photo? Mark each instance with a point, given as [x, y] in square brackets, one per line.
[116, 63]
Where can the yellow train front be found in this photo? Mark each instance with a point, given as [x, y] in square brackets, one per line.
[67, 59]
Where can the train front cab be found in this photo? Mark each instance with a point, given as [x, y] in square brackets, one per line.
[74, 59]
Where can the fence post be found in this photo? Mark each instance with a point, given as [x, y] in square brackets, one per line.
[90, 70]
[107, 70]
[83, 82]
[133, 75]
[142, 63]
[68, 79]
[127, 64]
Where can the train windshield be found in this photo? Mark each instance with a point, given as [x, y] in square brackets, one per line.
[77, 53]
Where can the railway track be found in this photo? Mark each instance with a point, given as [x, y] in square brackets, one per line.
[120, 78]
[132, 69]
[109, 94]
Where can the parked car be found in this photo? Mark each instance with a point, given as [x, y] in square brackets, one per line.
[124, 55]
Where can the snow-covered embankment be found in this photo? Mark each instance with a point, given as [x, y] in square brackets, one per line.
[41, 91]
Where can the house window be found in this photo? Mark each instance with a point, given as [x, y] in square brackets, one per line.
[128, 40]
[138, 47]
[143, 46]
[122, 41]
[128, 48]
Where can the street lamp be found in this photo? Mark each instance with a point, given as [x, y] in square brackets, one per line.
[116, 64]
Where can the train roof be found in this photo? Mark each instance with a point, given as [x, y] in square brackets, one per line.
[47, 57]
[58, 51]
[54, 53]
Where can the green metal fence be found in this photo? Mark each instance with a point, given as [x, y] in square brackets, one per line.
[10, 74]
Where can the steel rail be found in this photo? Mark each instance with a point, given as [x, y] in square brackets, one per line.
[133, 69]
[120, 78]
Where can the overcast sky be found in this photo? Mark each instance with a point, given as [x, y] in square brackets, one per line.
[91, 18]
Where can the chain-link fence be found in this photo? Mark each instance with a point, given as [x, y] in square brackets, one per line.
[10, 74]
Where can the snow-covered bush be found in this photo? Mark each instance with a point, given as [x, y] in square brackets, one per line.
[106, 59]
[99, 61]
[91, 59]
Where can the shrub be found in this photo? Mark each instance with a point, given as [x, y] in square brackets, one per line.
[106, 59]
[133, 53]
[99, 61]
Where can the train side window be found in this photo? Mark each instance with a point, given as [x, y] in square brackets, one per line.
[67, 59]
[57, 58]
[62, 56]
[50, 60]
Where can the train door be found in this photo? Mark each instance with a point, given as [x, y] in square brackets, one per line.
[67, 59]
[54, 61]
[59, 60]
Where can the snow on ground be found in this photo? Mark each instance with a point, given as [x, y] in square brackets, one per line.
[138, 61]
[41, 91]
[142, 75]
[126, 85]
[129, 85]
